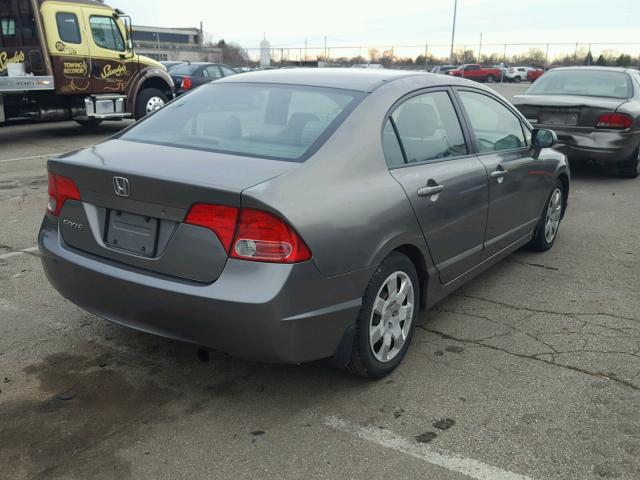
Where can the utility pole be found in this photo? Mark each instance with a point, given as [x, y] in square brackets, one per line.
[480, 49]
[453, 30]
[305, 49]
[325, 48]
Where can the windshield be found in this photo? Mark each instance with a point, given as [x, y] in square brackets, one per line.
[591, 83]
[259, 120]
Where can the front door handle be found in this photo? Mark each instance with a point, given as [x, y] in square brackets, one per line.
[430, 190]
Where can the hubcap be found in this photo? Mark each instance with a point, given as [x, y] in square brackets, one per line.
[554, 213]
[153, 104]
[391, 317]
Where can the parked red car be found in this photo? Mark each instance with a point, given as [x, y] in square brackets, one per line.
[477, 72]
[533, 75]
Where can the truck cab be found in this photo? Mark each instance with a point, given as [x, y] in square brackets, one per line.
[73, 59]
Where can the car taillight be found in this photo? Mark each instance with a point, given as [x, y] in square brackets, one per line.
[186, 83]
[250, 234]
[614, 121]
[263, 237]
[61, 189]
[220, 219]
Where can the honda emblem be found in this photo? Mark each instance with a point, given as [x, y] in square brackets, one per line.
[121, 186]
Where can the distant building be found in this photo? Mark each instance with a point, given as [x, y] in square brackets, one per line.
[178, 44]
[265, 53]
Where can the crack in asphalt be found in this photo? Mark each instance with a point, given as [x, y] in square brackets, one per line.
[534, 357]
[535, 310]
[530, 264]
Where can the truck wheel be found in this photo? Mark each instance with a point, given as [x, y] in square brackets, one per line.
[89, 122]
[517, 79]
[490, 79]
[149, 100]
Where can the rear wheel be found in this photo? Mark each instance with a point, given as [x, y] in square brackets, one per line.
[547, 229]
[490, 79]
[89, 122]
[386, 321]
[148, 101]
[630, 168]
[517, 79]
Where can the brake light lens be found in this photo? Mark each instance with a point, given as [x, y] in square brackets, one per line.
[614, 121]
[250, 234]
[263, 237]
[220, 219]
[61, 189]
[186, 83]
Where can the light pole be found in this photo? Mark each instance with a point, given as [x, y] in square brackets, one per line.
[453, 30]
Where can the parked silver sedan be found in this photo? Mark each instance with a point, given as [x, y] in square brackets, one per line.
[293, 215]
[594, 110]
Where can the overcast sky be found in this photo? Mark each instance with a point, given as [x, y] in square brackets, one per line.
[397, 22]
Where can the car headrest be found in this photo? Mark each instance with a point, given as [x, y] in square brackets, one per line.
[417, 120]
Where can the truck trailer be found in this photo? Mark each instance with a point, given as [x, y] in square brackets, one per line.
[74, 59]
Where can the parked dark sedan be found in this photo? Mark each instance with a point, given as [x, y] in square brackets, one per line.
[594, 110]
[293, 215]
[191, 75]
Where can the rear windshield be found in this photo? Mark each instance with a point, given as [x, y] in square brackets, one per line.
[184, 69]
[594, 83]
[260, 120]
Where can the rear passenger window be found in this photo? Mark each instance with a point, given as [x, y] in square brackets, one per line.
[68, 28]
[429, 128]
[391, 146]
[495, 127]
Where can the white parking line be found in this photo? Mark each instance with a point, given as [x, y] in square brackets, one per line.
[9, 160]
[4, 256]
[455, 463]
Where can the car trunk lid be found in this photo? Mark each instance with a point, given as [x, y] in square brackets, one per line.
[565, 110]
[135, 198]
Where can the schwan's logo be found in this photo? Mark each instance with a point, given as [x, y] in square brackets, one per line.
[121, 186]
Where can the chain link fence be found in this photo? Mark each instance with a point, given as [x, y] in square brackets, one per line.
[424, 57]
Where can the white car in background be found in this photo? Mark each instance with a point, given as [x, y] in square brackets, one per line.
[516, 74]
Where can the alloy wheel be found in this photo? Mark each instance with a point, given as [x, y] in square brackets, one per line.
[391, 317]
[554, 214]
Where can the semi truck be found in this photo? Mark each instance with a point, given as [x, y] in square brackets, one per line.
[74, 59]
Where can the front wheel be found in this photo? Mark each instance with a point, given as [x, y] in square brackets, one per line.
[387, 318]
[547, 229]
[490, 79]
[148, 101]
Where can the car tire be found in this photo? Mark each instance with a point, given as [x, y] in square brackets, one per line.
[490, 79]
[517, 79]
[630, 168]
[383, 318]
[546, 231]
[148, 101]
[89, 122]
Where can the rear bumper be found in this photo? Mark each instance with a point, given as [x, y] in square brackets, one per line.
[603, 146]
[257, 311]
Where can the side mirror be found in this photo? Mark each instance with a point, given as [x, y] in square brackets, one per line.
[543, 138]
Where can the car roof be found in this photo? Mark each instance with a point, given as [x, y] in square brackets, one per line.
[359, 79]
[596, 68]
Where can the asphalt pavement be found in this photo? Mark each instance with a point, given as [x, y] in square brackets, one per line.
[531, 371]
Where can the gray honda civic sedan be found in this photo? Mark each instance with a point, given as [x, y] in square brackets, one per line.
[294, 215]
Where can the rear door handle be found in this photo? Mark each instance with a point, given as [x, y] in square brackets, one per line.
[499, 174]
[430, 190]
